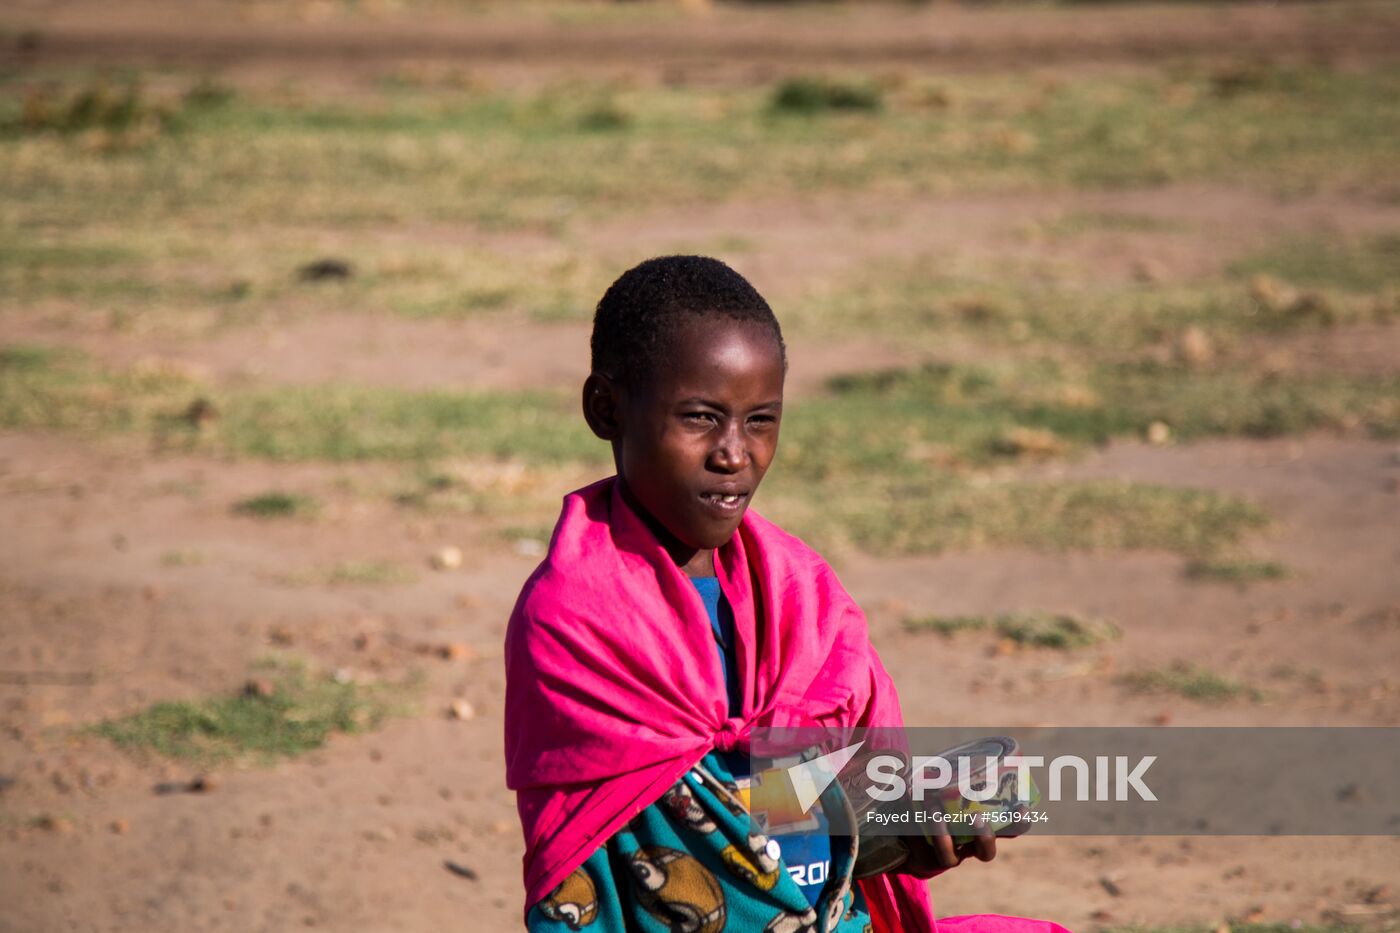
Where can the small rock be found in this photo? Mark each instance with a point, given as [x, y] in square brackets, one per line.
[325, 269]
[460, 870]
[54, 824]
[1350, 793]
[280, 635]
[200, 413]
[1159, 433]
[342, 675]
[1034, 443]
[1004, 646]
[1194, 346]
[461, 709]
[447, 558]
[362, 641]
[259, 687]
[1148, 271]
[1111, 886]
[1270, 293]
[456, 651]
[205, 784]
[1163, 718]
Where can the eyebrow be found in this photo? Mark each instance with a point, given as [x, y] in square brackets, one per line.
[698, 400]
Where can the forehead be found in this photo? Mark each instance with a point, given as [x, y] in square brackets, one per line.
[721, 356]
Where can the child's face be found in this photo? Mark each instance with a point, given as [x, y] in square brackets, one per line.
[694, 446]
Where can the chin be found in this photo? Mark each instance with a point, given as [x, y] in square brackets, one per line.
[712, 536]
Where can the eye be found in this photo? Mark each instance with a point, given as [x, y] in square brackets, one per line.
[698, 418]
[762, 421]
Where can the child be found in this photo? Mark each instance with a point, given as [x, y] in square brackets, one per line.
[665, 624]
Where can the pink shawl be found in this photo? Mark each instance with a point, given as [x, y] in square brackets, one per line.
[614, 688]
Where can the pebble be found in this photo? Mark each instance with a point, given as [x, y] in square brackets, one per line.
[1195, 346]
[326, 268]
[259, 687]
[447, 558]
[1159, 433]
[462, 871]
[456, 651]
[205, 784]
[462, 710]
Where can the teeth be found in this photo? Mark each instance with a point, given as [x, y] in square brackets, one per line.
[729, 499]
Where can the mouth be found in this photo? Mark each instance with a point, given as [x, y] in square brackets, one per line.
[724, 502]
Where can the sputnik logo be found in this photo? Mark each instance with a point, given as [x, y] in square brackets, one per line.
[810, 779]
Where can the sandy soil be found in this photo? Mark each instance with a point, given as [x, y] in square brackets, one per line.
[95, 622]
[261, 40]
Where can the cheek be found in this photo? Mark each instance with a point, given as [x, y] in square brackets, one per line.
[765, 449]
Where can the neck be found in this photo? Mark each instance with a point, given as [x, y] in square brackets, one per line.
[694, 562]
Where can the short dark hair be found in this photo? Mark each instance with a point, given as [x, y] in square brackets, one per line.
[638, 317]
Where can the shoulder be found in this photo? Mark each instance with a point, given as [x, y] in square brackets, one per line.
[571, 571]
[782, 555]
[777, 540]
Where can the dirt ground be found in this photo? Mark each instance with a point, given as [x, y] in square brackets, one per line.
[355, 836]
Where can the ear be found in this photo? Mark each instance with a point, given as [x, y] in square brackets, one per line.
[602, 406]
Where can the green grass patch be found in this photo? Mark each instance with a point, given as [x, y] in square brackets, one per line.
[949, 514]
[56, 388]
[1190, 681]
[490, 156]
[902, 422]
[1357, 264]
[1057, 631]
[300, 712]
[353, 573]
[99, 105]
[813, 95]
[27, 358]
[356, 424]
[369, 571]
[186, 557]
[277, 504]
[42, 388]
[1235, 570]
[1077, 223]
[1025, 306]
[877, 465]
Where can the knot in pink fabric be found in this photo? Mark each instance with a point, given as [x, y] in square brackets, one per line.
[728, 737]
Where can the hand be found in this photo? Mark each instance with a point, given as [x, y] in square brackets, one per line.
[939, 851]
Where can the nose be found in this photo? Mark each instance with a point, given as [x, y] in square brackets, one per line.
[730, 454]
